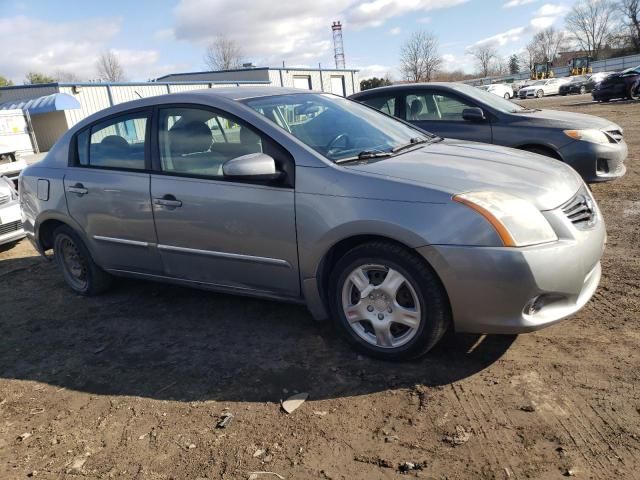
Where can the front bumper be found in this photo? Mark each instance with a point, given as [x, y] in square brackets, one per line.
[596, 162]
[10, 223]
[490, 289]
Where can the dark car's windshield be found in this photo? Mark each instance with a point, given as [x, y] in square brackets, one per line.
[578, 79]
[336, 127]
[490, 99]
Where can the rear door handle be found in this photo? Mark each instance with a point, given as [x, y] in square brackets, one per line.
[168, 201]
[78, 189]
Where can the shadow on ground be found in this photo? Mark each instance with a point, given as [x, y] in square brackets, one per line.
[167, 342]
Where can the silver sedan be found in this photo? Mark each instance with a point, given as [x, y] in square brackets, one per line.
[395, 234]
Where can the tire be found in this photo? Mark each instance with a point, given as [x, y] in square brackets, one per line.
[539, 94]
[634, 92]
[583, 90]
[507, 96]
[419, 298]
[79, 270]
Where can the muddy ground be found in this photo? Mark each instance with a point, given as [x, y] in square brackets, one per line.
[131, 384]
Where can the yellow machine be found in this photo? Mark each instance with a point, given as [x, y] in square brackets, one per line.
[581, 65]
[542, 71]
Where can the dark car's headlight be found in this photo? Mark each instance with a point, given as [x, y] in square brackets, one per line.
[588, 135]
[518, 222]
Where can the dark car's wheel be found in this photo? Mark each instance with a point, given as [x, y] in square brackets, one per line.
[583, 90]
[634, 92]
[388, 302]
[540, 93]
[78, 268]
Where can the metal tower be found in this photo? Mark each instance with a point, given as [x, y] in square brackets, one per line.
[338, 48]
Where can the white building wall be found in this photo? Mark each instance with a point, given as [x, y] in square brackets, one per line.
[320, 80]
[92, 99]
[127, 93]
[188, 87]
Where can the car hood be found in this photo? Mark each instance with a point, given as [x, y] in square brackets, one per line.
[560, 119]
[531, 89]
[457, 166]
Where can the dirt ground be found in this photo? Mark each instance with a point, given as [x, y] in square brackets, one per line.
[132, 384]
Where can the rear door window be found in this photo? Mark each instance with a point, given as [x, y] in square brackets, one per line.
[119, 143]
[384, 103]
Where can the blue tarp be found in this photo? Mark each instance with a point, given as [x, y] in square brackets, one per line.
[45, 104]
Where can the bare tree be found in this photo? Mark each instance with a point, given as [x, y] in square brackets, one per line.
[109, 68]
[630, 10]
[485, 54]
[420, 57]
[591, 22]
[548, 43]
[531, 56]
[65, 76]
[223, 54]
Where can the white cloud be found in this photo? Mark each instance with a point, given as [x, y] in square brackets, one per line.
[298, 32]
[547, 15]
[368, 71]
[517, 3]
[395, 31]
[375, 12]
[74, 47]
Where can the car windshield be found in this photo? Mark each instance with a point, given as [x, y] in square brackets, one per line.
[490, 99]
[577, 79]
[335, 127]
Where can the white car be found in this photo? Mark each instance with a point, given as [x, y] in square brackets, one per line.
[500, 89]
[541, 88]
[11, 164]
[10, 216]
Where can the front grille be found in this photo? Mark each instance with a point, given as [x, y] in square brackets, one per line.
[9, 227]
[4, 199]
[580, 210]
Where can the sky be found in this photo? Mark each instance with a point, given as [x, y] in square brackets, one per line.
[154, 38]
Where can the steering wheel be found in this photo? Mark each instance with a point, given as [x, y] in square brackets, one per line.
[335, 139]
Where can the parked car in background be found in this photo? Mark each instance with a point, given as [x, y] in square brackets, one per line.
[500, 89]
[594, 146]
[625, 84]
[310, 197]
[11, 163]
[578, 85]
[540, 88]
[10, 220]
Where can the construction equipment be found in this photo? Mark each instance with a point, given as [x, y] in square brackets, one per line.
[581, 65]
[542, 71]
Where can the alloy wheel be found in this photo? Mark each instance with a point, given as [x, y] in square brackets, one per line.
[381, 306]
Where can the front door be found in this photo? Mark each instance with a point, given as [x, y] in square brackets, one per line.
[440, 112]
[107, 193]
[216, 231]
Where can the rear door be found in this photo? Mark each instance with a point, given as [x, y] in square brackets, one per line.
[440, 112]
[107, 191]
[237, 234]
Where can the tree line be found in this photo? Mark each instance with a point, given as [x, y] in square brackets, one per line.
[594, 27]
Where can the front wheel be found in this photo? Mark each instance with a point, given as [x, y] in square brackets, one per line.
[583, 90]
[634, 92]
[507, 96]
[78, 268]
[540, 93]
[388, 302]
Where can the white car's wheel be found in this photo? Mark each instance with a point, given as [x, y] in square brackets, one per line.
[507, 96]
[540, 93]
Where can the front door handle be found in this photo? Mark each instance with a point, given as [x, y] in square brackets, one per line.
[168, 201]
[78, 189]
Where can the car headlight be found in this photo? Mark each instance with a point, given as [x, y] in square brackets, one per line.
[591, 136]
[518, 222]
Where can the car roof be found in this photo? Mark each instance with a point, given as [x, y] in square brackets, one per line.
[242, 93]
[402, 86]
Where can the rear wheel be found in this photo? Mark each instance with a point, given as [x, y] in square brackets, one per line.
[387, 302]
[583, 90]
[634, 92]
[507, 96]
[75, 262]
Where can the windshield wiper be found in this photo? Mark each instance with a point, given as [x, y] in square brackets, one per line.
[365, 155]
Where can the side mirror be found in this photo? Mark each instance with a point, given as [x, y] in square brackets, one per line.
[256, 166]
[473, 114]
